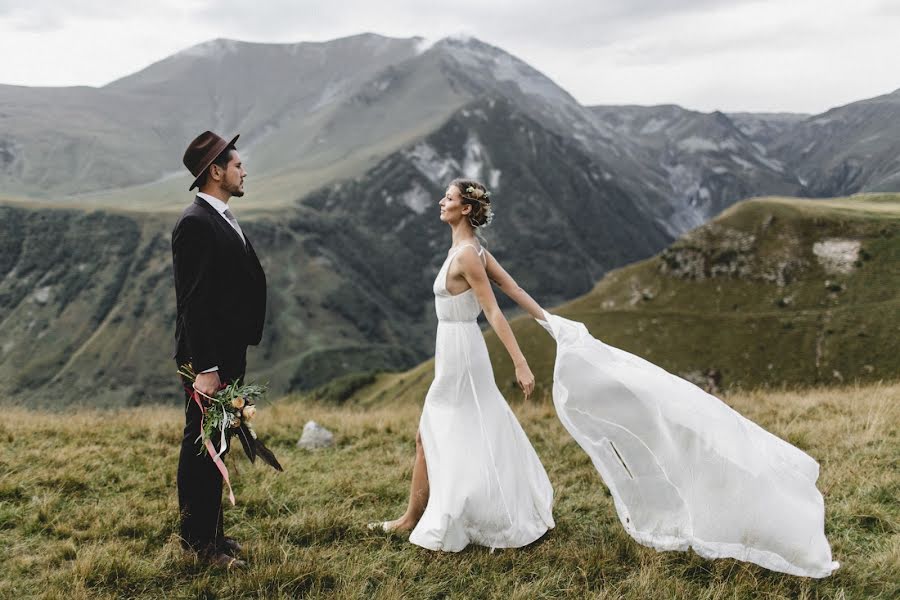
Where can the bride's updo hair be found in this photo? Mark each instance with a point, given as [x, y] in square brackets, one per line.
[479, 198]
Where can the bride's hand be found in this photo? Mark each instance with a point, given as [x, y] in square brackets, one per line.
[525, 379]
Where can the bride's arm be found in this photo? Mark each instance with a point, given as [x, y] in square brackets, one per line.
[508, 285]
[474, 273]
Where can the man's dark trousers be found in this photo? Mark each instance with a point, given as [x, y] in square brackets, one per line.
[199, 480]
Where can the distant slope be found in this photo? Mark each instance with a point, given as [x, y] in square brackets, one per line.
[765, 128]
[849, 149]
[708, 162]
[133, 131]
[87, 305]
[772, 292]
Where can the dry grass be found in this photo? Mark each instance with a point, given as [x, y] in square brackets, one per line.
[88, 507]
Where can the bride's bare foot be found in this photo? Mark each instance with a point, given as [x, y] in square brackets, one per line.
[400, 525]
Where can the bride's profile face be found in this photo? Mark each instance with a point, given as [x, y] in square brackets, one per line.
[452, 207]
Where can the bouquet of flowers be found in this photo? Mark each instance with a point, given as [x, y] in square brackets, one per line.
[229, 412]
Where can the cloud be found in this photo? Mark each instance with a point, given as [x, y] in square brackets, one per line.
[803, 55]
[39, 12]
[886, 8]
[540, 23]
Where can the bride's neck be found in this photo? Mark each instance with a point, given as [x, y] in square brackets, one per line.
[462, 233]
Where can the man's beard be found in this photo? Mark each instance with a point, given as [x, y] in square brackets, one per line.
[235, 190]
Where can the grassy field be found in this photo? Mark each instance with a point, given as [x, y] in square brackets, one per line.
[88, 510]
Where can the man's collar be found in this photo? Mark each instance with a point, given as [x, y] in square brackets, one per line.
[217, 204]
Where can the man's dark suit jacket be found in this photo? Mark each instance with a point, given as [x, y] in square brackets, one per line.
[220, 289]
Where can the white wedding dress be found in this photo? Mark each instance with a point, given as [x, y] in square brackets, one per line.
[487, 485]
[684, 469]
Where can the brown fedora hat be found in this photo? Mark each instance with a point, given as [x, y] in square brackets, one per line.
[202, 152]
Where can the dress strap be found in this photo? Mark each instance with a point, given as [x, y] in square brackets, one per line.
[461, 246]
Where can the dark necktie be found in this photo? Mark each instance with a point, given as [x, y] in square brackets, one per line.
[227, 214]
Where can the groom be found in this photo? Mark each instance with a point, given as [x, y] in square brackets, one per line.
[220, 290]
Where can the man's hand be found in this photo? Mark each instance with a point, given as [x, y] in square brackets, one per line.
[208, 383]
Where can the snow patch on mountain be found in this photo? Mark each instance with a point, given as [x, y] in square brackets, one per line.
[211, 49]
[698, 144]
[476, 112]
[425, 44]
[416, 198]
[473, 163]
[745, 164]
[330, 94]
[438, 169]
[683, 179]
[775, 165]
[654, 125]
[691, 202]
[729, 144]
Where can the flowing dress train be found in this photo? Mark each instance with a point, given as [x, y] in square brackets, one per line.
[684, 469]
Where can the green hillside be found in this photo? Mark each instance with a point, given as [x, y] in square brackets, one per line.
[87, 306]
[750, 298]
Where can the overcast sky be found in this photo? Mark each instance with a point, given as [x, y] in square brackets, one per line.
[759, 55]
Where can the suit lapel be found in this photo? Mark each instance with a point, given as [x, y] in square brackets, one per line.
[222, 221]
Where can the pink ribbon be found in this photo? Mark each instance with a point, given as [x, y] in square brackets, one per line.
[211, 449]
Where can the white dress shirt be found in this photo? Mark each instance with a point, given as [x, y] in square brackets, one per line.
[221, 207]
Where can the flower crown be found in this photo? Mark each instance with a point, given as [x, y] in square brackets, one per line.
[480, 194]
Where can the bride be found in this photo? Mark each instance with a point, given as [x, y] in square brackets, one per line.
[684, 469]
[476, 477]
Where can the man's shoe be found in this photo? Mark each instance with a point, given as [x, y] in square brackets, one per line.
[232, 546]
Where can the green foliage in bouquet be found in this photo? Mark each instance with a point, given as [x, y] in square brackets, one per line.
[230, 412]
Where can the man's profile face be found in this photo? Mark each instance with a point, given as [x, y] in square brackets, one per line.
[233, 175]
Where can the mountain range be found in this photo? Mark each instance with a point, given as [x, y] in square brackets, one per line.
[349, 145]
[315, 112]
